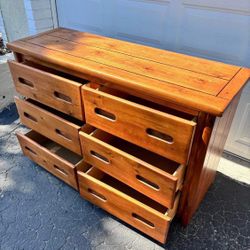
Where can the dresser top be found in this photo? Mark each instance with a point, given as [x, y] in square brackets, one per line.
[191, 82]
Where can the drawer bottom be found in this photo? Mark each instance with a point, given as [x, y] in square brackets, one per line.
[127, 204]
[56, 159]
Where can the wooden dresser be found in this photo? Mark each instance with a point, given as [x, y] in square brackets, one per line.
[138, 131]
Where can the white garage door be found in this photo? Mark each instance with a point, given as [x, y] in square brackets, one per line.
[212, 29]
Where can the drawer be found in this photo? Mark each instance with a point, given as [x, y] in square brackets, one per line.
[145, 171]
[50, 123]
[126, 203]
[56, 159]
[159, 129]
[49, 88]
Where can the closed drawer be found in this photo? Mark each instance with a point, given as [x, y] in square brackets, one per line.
[54, 125]
[163, 131]
[145, 171]
[56, 159]
[48, 87]
[125, 203]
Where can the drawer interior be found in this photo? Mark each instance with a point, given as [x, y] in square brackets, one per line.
[123, 188]
[54, 71]
[147, 103]
[56, 112]
[54, 147]
[138, 152]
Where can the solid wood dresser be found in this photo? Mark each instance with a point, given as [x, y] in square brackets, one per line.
[137, 130]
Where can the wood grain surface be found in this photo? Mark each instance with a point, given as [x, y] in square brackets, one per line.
[128, 205]
[50, 125]
[209, 140]
[190, 82]
[55, 91]
[139, 124]
[148, 173]
[47, 157]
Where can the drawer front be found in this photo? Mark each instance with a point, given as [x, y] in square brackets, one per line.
[164, 134]
[55, 91]
[52, 163]
[140, 216]
[49, 125]
[145, 178]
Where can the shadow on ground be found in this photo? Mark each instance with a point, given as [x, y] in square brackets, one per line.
[37, 211]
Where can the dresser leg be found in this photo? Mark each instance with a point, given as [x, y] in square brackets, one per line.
[209, 141]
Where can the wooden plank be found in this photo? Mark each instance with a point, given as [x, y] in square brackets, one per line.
[187, 205]
[49, 125]
[55, 91]
[56, 165]
[132, 122]
[208, 145]
[150, 69]
[40, 34]
[195, 64]
[124, 206]
[130, 82]
[235, 85]
[160, 185]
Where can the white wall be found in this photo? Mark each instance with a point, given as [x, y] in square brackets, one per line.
[14, 18]
[26, 17]
[7, 90]
[2, 27]
[39, 15]
[18, 19]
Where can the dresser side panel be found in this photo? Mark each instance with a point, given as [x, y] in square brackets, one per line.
[209, 141]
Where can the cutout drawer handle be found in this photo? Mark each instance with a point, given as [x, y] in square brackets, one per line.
[99, 157]
[160, 136]
[147, 182]
[26, 82]
[30, 117]
[62, 96]
[105, 114]
[60, 170]
[30, 150]
[143, 220]
[97, 195]
[59, 132]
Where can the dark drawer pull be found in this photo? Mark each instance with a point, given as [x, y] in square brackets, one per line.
[30, 117]
[26, 82]
[147, 182]
[160, 136]
[59, 132]
[97, 195]
[32, 151]
[62, 96]
[105, 114]
[99, 157]
[143, 220]
[60, 170]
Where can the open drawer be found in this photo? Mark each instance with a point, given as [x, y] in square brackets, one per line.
[159, 129]
[59, 127]
[126, 203]
[58, 160]
[145, 171]
[51, 87]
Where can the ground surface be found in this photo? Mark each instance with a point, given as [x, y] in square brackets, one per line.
[37, 211]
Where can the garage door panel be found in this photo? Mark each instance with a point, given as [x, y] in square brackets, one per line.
[143, 21]
[85, 15]
[238, 141]
[217, 33]
[239, 5]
